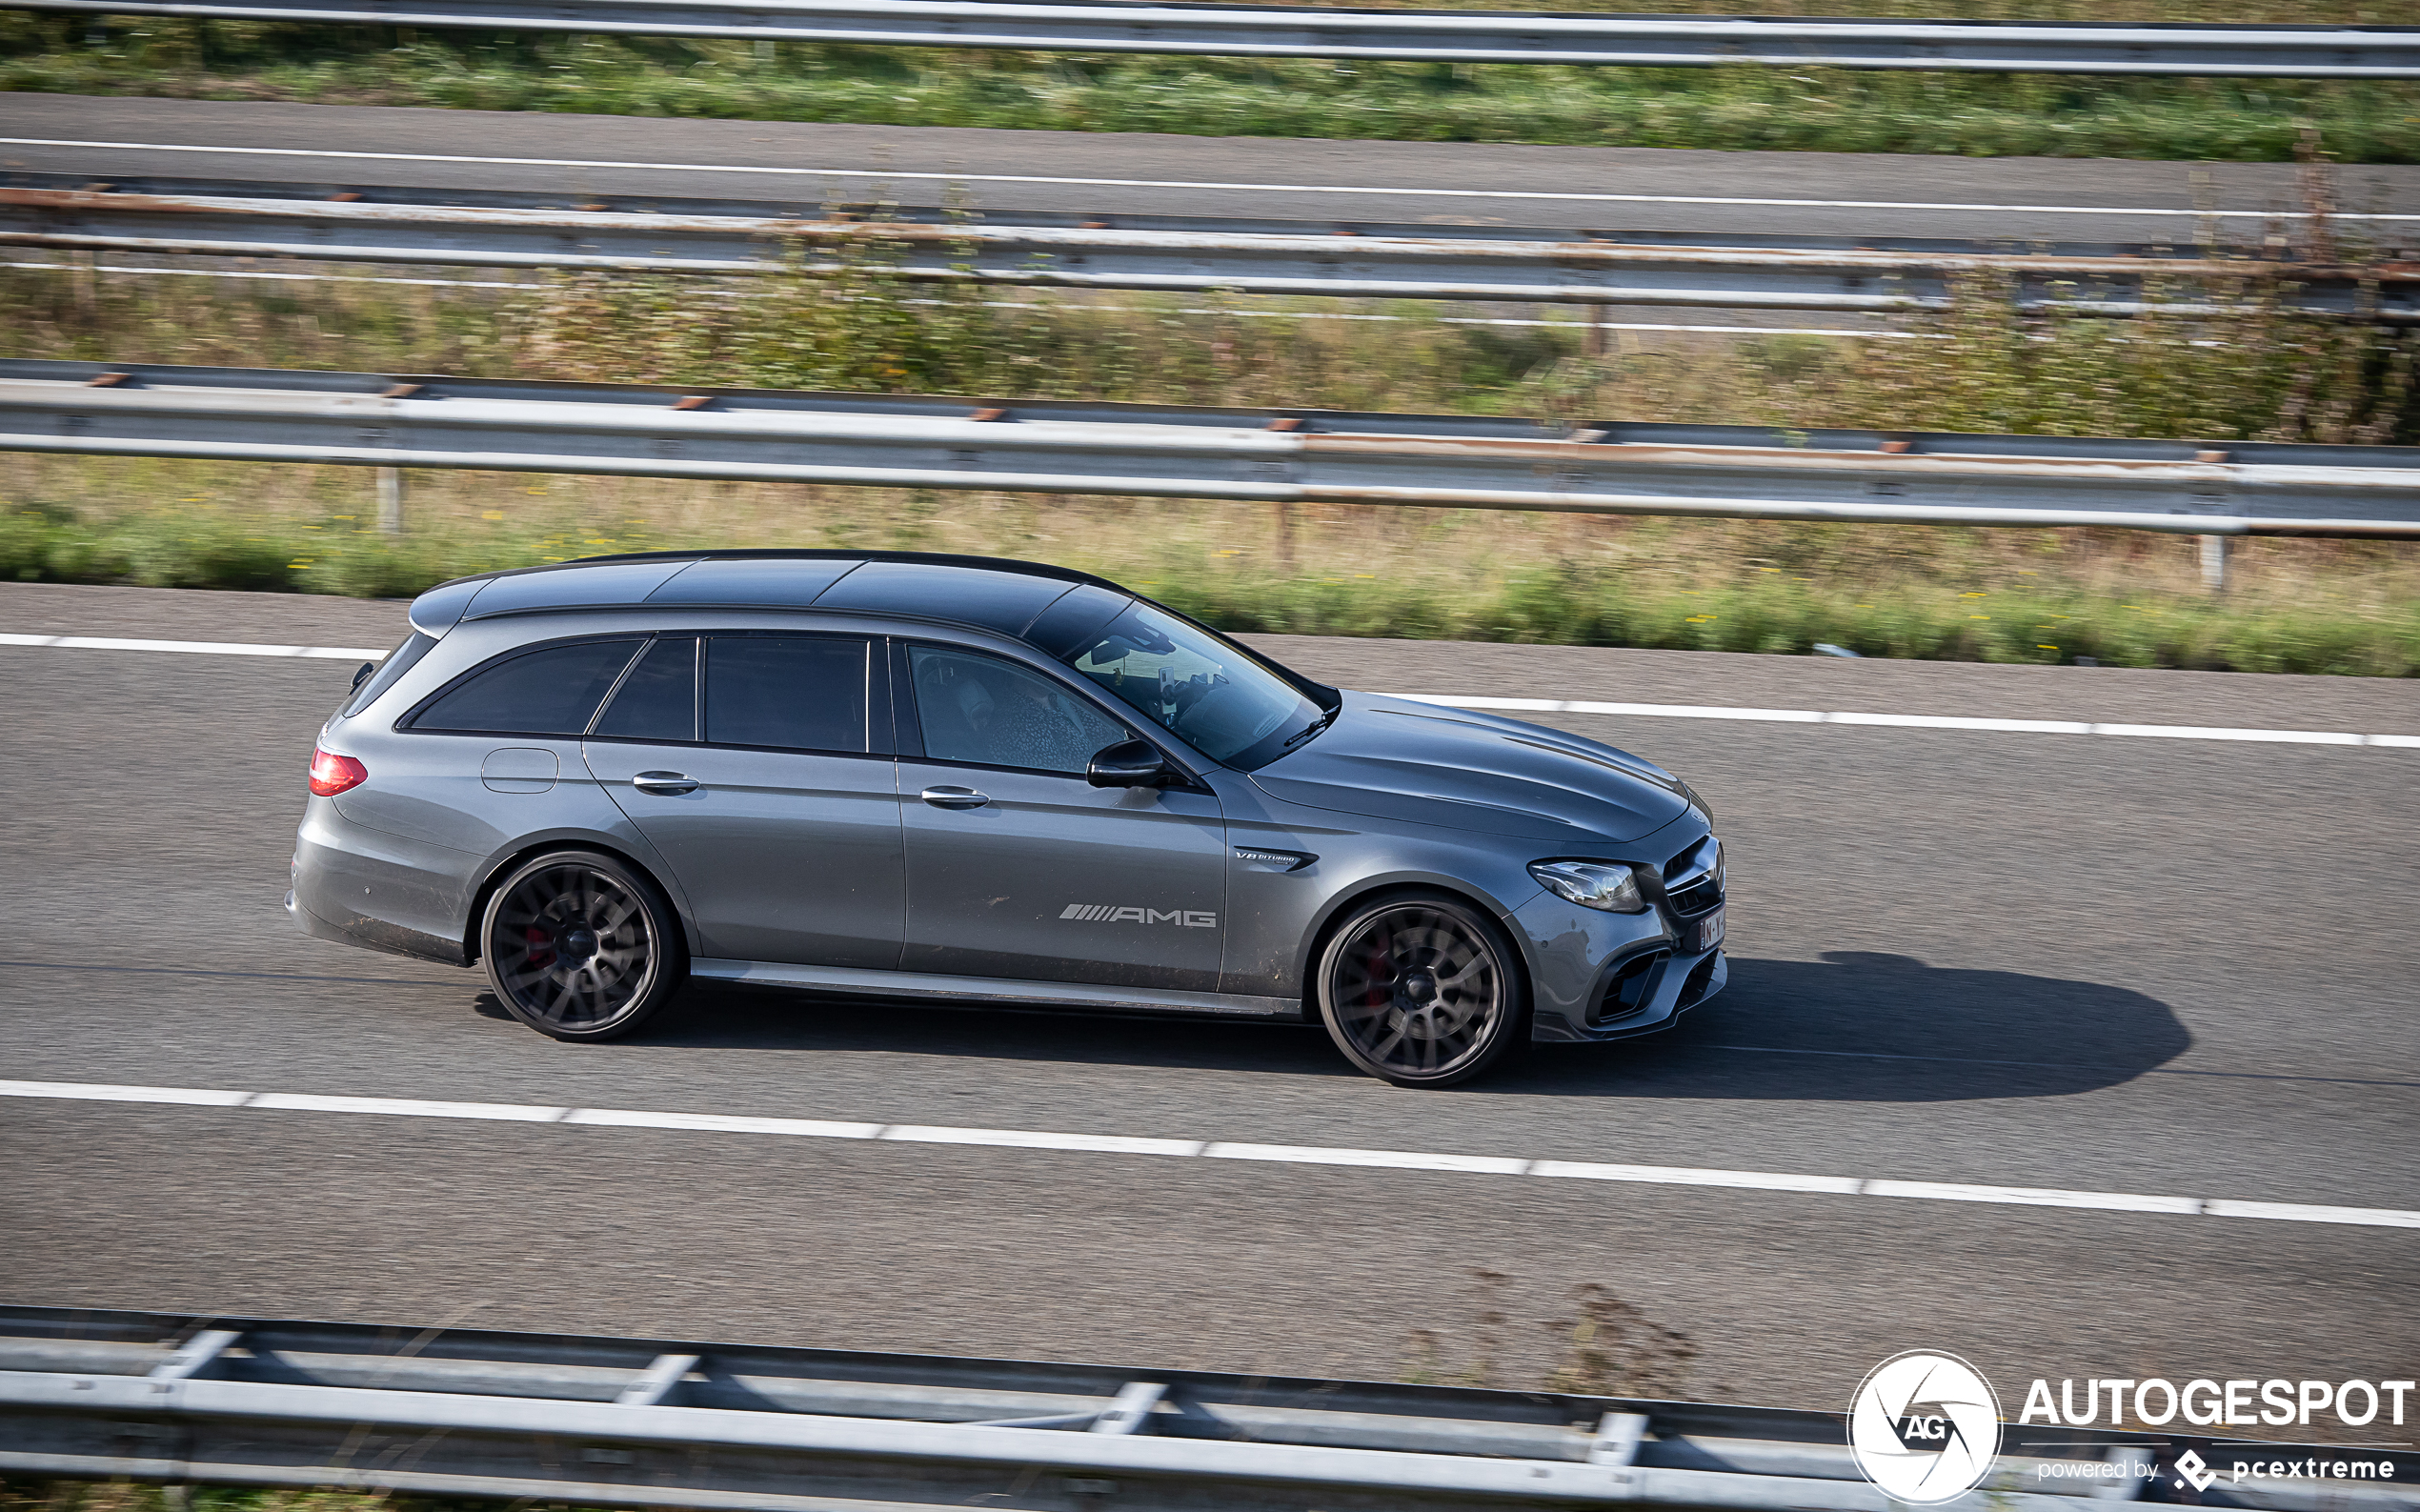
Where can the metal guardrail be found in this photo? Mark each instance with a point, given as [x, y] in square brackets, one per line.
[1260, 455]
[1864, 275]
[1453, 36]
[667, 1423]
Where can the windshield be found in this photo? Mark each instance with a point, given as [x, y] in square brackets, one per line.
[1198, 688]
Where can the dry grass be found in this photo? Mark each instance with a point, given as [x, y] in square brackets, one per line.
[2035, 595]
[1733, 107]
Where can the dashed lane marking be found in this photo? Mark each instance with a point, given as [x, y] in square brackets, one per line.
[1914, 721]
[1222, 1150]
[1650, 711]
[207, 647]
[786, 171]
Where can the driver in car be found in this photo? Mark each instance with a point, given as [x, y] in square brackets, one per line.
[1033, 727]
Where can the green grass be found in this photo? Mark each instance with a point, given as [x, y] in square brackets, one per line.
[2257, 372]
[1940, 593]
[1744, 106]
[1924, 592]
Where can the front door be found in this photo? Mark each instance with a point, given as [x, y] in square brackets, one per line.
[1017, 867]
[750, 761]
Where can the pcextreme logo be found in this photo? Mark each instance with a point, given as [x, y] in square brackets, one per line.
[1112, 914]
[1925, 1427]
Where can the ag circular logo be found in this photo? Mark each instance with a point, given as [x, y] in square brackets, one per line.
[1925, 1427]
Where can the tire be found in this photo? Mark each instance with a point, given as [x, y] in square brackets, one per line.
[581, 947]
[1423, 991]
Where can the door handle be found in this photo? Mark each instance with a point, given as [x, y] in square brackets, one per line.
[668, 783]
[955, 798]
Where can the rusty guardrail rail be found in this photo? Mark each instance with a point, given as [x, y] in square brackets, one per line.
[487, 229]
[1265, 456]
[668, 1424]
[1454, 36]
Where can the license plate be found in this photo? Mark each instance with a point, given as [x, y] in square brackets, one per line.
[1709, 931]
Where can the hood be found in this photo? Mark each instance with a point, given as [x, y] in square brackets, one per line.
[1394, 760]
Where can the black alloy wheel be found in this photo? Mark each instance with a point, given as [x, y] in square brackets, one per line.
[1423, 991]
[581, 947]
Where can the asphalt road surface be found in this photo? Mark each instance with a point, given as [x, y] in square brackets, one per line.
[806, 164]
[2133, 965]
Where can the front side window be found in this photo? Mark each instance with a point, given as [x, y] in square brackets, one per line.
[552, 691]
[795, 693]
[983, 710]
[1201, 690]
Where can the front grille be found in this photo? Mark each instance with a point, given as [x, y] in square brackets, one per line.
[1693, 879]
[1695, 898]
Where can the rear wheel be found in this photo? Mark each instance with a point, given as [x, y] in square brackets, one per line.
[1423, 991]
[581, 947]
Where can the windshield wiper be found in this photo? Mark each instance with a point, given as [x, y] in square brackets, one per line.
[1309, 730]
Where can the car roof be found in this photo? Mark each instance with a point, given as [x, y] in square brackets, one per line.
[995, 594]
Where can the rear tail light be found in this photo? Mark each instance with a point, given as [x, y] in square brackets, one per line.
[331, 774]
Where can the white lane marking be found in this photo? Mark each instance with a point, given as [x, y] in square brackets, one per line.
[205, 648]
[407, 1107]
[102, 1091]
[1163, 183]
[1688, 1176]
[720, 1123]
[1911, 721]
[1388, 1160]
[1653, 710]
[1038, 1139]
[1280, 1154]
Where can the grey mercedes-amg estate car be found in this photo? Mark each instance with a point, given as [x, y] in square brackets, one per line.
[958, 778]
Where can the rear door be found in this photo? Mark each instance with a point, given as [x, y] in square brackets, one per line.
[1017, 867]
[759, 765]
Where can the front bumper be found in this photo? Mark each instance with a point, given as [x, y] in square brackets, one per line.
[1596, 976]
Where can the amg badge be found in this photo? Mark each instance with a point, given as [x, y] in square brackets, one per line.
[1108, 914]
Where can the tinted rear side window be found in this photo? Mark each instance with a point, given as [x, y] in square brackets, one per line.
[399, 661]
[800, 694]
[554, 691]
[659, 700]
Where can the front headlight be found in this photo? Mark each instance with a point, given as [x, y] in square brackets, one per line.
[1607, 885]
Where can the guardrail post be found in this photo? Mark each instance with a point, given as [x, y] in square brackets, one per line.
[86, 280]
[654, 1386]
[1131, 1412]
[2213, 563]
[390, 499]
[1618, 1435]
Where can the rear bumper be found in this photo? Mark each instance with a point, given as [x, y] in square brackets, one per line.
[364, 887]
[372, 934]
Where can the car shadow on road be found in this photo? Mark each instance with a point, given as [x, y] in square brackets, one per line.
[1851, 1027]
[1861, 1027]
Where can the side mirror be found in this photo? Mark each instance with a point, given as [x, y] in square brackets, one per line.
[363, 671]
[1128, 764]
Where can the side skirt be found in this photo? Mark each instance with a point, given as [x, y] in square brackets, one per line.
[928, 985]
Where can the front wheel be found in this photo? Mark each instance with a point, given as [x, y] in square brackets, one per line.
[1423, 991]
[581, 947]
